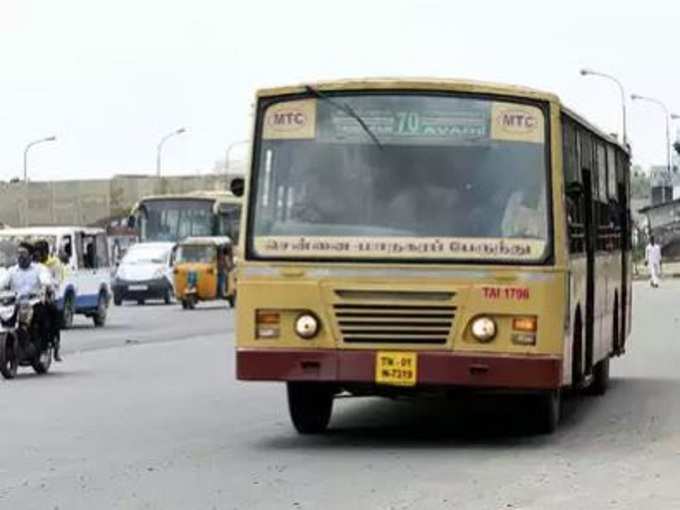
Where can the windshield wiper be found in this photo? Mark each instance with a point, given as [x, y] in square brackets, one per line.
[347, 109]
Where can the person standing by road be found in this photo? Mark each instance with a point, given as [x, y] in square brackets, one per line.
[653, 261]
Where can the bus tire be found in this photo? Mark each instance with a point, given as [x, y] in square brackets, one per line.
[68, 312]
[600, 378]
[310, 406]
[549, 408]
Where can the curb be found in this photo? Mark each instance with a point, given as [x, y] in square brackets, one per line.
[643, 277]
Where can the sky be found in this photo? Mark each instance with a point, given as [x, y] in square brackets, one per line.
[110, 78]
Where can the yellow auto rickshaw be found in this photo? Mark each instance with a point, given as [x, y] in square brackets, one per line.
[204, 271]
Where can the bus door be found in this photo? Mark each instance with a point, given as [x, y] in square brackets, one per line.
[591, 226]
[624, 244]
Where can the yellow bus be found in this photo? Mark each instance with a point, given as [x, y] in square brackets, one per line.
[178, 216]
[408, 236]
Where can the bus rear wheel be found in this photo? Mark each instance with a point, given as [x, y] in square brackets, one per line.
[600, 379]
[310, 406]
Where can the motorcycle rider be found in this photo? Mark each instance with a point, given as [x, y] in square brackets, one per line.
[27, 278]
[53, 265]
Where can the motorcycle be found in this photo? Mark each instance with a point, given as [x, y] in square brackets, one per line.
[21, 341]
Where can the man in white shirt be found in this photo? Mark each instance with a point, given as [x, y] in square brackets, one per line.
[26, 277]
[653, 261]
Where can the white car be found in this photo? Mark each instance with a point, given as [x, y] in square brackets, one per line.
[145, 272]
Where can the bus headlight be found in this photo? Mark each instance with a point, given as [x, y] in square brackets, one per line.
[306, 325]
[483, 329]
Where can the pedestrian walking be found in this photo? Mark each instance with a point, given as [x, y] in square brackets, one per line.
[653, 261]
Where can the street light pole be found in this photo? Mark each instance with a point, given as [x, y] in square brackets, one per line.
[637, 97]
[34, 142]
[160, 147]
[591, 72]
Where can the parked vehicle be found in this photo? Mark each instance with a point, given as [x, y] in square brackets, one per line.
[197, 271]
[145, 272]
[84, 252]
[21, 343]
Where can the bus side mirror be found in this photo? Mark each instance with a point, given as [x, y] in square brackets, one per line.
[131, 221]
[237, 186]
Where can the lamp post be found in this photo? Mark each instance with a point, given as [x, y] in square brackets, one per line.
[34, 142]
[160, 147]
[591, 72]
[637, 97]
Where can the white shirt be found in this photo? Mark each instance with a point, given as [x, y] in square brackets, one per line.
[26, 281]
[653, 254]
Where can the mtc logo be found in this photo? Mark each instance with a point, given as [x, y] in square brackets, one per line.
[517, 121]
[287, 120]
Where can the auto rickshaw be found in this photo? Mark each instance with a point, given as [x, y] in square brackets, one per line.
[204, 271]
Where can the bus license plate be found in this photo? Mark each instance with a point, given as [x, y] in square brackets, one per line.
[137, 288]
[396, 368]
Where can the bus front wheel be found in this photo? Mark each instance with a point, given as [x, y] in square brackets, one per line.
[310, 406]
[549, 409]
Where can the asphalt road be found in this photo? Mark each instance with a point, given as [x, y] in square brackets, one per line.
[160, 423]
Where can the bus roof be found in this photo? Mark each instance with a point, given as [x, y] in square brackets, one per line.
[220, 196]
[210, 240]
[439, 84]
[443, 84]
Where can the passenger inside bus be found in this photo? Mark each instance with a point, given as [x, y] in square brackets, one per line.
[439, 191]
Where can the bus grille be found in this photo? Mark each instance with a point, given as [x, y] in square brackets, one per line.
[394, 324]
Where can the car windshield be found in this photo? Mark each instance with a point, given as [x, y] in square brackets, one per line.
[141, 254]
[421, 176]
[197, 253]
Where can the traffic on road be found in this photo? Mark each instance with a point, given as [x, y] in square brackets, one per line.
[441, 273]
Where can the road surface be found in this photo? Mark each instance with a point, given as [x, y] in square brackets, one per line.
[160, 423]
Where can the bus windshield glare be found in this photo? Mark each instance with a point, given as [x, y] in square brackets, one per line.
[422, 177]
[173, 220]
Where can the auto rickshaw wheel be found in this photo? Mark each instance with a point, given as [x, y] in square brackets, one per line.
[189, 303]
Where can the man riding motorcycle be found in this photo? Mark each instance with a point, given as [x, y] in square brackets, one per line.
[28, 278]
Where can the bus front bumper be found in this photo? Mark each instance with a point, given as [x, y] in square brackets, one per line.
[434, 368]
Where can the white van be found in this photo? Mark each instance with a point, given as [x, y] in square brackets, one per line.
[84, 251]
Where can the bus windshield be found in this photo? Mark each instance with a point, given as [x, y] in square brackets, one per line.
[174, 220]
[230, 221]
[405, 176]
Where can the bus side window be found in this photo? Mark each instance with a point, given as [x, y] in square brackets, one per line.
[78, 243]
[574, 188]
[602, 219]
[89, 252]
[66, 250]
